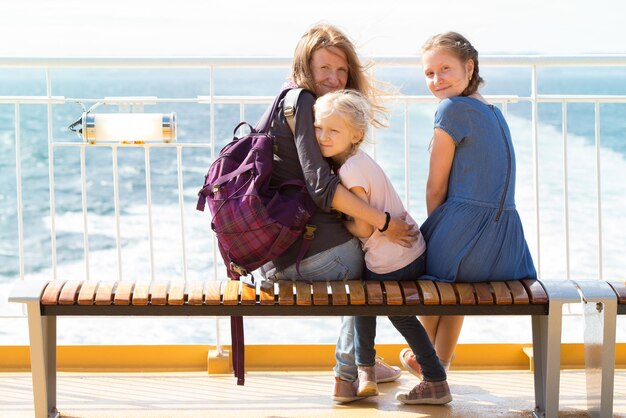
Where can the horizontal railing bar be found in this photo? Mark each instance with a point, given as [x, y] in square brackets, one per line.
[32, 100]
[542, 98]
[251, 61]
[131, 145]
[577, 98]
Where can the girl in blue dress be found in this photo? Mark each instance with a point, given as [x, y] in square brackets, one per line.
[473, 231]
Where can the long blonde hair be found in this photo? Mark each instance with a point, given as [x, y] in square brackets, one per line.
[354, 108]
[324, 36]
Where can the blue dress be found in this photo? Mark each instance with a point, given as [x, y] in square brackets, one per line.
[476, 234]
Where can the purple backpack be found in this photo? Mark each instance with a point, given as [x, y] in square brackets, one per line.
[253, 222]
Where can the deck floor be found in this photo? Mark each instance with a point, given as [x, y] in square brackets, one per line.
[288, 394]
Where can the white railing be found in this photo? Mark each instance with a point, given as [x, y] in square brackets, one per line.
[528, 63]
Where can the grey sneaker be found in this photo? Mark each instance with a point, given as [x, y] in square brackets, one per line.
[385, 372]
[344, 391]
[367, 381]
[431, 393]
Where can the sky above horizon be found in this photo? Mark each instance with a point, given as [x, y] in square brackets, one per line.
[120, 28]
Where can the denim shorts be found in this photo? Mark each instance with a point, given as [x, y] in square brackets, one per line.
[343, 262]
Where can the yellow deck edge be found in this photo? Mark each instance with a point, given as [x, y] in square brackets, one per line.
[160, 358]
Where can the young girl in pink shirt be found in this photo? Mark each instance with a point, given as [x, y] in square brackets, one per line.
[342, 121]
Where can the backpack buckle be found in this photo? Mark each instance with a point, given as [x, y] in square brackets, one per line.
[238, 269]
[309, 232]
[289, 111]
[216, 188]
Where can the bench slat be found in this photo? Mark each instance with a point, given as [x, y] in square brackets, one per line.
[429, 291]
[285, 292]
[409, 289]
[158, 293]
[357, 292]
[520, 296]
[502, 293]
[69, 293]
[374, 292]
[176, 295]
[303, 293]
[248, 294]
[104, 294]
[339, 295]
[267, 295]
[484, 293]
[536, 292]
[446, 293]
[87, 293]
[320, 293]
[393, 292]
[231, 292]
[213, 294]
[52, 292]
[465, 293]
[123, 293]
[195, 295]
[141, 293]
[620, 291]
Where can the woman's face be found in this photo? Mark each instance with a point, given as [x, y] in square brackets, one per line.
[330, 70]
[446, 75]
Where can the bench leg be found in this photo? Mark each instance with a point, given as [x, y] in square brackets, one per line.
[547, 364]
[42, 333]
[547, 347]
[599, 311]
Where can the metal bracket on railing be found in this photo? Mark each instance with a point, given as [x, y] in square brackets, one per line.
[131, 104]
[599, 304]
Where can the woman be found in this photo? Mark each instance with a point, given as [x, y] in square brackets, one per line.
[325, 60]
[473, 231]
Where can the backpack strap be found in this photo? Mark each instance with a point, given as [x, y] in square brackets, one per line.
[289, 107]
[263, 125]
[289, 110]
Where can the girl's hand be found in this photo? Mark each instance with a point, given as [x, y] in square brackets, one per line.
[402, 233]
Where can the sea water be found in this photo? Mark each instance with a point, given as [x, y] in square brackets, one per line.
[389, 147]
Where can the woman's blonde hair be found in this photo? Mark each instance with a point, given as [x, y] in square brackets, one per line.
[458, 45]
[352, 106]
[324, 36]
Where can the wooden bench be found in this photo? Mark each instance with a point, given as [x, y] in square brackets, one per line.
[543, 301]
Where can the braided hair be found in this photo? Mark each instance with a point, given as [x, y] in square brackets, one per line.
[463, 49]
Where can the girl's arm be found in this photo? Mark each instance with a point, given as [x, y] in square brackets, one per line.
[441, 157]
[357, 226]
[398, 231]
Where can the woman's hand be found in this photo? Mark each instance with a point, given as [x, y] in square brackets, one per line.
[402, 233]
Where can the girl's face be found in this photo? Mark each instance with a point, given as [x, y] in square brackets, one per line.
[330, 70]
[446, 75]
[335, 137]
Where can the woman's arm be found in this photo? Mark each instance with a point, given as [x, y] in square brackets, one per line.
[357, 226]
[398, 230]
[441, 158]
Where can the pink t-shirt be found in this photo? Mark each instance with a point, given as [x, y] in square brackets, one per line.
[381, 255]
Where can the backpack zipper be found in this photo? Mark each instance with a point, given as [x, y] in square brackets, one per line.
[508, 166]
